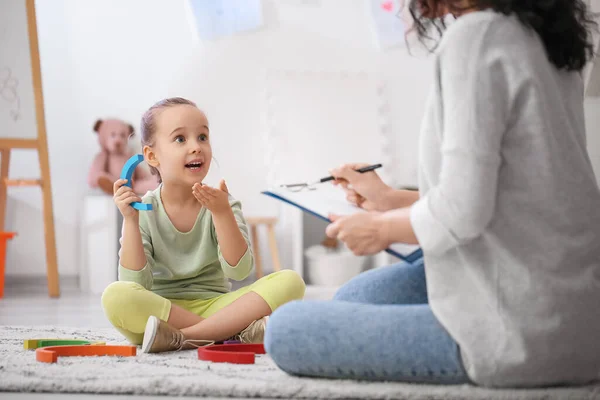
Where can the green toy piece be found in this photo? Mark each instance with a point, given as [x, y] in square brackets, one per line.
[62, 342]
[31, 344]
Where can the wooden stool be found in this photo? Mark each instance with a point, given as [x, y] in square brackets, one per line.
[270, 222]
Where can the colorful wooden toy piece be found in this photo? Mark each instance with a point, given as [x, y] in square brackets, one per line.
[231, 353]
[127, 173]
[31, 344]
[4, 238]
[66, 342]
[51, 354]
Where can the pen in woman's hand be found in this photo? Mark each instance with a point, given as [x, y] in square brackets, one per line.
[361, 170]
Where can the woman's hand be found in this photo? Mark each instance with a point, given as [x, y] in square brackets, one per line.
[363, 233]
[123, 197]
[366, 190]
[216, 200]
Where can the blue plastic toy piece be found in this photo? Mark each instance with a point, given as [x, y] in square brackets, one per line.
[127, 173]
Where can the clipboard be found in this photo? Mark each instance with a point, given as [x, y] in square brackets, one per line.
[326, 199]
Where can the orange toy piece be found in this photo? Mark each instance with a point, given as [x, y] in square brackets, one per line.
[4, 237]
[231, 353]
[51, 354]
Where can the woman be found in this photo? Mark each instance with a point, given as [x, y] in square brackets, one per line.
[508, 217]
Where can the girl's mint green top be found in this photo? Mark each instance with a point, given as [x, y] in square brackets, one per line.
[185, 265]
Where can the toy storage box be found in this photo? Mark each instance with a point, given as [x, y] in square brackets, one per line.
[100, 232]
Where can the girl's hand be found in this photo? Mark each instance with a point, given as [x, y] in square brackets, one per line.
[363, 233]
[123, 197]
[365, 190]
[216, 200]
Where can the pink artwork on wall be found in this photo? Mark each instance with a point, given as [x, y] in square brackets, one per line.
[389, 26]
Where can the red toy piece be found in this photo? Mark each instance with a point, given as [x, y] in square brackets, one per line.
[50, 354]
[231, 353]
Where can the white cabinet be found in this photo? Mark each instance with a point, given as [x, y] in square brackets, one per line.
[99, 232]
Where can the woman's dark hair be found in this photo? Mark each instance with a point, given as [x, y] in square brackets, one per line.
[564, 26]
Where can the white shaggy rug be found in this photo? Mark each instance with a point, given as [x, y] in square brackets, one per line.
[182, 374]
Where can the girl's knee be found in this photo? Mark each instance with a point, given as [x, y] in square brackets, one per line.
[127, 305]
[117, 294]
[291, 283]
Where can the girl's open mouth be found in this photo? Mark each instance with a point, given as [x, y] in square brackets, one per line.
[194, 165]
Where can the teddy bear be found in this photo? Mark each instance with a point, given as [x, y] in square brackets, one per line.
[113, 135]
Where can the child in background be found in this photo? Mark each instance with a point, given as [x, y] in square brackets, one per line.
[175, 261]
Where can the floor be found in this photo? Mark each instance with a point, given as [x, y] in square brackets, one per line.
[26, 302]
[61, 396]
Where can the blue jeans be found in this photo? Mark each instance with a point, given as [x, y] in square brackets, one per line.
[378, 327]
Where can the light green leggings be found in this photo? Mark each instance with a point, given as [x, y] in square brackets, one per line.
[128, 305]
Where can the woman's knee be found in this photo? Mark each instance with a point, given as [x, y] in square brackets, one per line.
[354, 290]
[283, 334]
[400, 283]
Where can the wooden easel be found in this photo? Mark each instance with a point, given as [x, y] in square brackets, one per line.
[41, 145]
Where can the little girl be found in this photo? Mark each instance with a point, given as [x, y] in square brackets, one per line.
[173, 293]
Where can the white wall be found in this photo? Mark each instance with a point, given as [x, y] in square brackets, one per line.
[227, 75]
[111, 58]
[99, 59]
[115, 58]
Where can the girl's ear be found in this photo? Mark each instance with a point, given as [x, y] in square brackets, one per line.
[150, 157]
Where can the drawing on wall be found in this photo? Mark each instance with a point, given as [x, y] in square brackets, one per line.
[213, 19]
[9, 92]
[388, 24]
